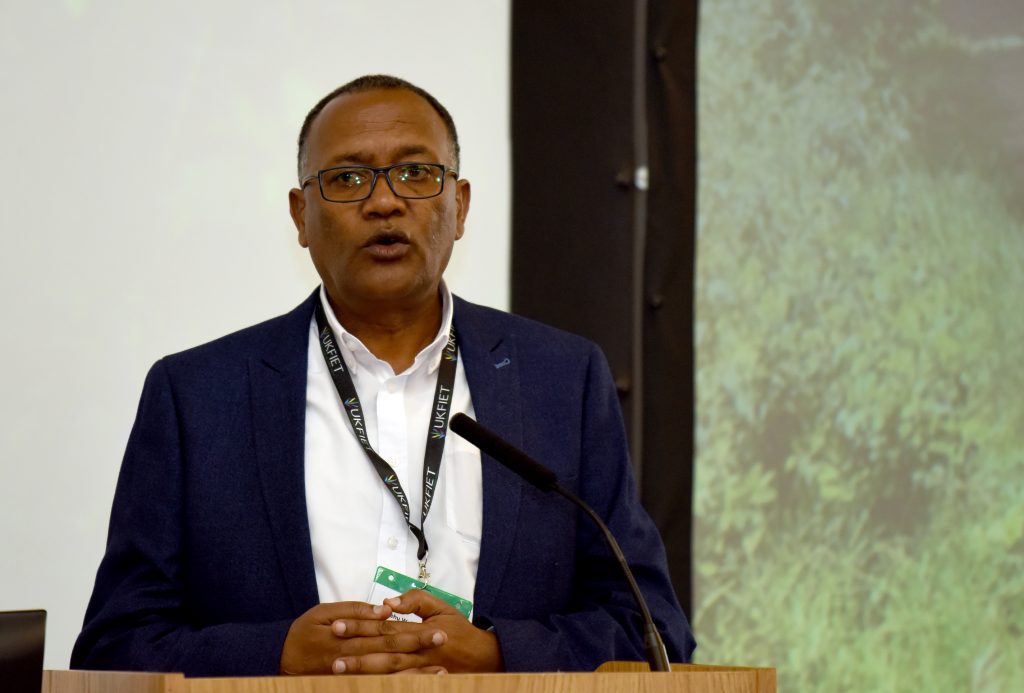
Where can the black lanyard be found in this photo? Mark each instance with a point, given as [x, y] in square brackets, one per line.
[435, 434]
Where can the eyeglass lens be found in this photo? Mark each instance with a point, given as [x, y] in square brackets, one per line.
[349, 183]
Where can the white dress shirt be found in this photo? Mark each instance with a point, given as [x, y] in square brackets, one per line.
[355, 523]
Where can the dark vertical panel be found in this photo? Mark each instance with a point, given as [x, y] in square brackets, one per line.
[668, 426]
[573, 209]
[571, 140]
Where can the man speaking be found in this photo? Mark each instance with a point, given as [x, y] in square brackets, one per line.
[286, 488]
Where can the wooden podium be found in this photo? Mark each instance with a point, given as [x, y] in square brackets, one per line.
[612, 677]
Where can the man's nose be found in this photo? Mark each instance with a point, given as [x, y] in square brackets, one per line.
[382, 200]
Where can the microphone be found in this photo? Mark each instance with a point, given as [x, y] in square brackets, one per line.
[543, 478]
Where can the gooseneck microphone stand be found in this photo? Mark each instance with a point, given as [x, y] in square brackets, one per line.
[546, 480]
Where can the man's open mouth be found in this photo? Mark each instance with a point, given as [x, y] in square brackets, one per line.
[387, 238]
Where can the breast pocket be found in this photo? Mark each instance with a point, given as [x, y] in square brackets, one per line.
[464, 498]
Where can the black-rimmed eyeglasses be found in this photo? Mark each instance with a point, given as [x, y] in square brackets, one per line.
[411, 180]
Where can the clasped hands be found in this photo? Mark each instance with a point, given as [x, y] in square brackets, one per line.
[358, 638]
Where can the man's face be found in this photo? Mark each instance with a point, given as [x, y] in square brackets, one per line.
[384, 250]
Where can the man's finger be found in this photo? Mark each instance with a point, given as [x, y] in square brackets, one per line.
[399, 642]
[423, 670]
[421, 603]
[365, 629]
[334, 611]
[379, 663]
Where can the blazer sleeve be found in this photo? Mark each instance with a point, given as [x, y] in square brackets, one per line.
[138, 617]
[601, 623]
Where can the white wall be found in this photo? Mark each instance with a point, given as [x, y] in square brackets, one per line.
[147, 152]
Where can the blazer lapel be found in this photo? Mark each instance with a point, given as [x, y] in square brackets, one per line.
[492, 371]
[278, 400]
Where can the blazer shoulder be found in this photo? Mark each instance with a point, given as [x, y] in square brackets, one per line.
[281, 339]
[492, 324]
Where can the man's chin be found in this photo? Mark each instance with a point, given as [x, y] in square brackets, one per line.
[389, 290]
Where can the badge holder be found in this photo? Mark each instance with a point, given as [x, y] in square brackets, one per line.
[389, 583]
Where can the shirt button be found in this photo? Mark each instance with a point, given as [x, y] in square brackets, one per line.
[392, 543]
[392, 386]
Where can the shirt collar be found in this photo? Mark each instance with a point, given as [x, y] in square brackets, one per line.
[429, 355]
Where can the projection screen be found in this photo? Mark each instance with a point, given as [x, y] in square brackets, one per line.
[860, 474]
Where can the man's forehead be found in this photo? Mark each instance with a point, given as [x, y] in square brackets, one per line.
[366, 123]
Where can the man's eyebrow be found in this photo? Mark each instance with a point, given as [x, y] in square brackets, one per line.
[361, 158]
[410, 150]
[349, 158]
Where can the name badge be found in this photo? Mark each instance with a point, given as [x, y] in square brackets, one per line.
[389, 583]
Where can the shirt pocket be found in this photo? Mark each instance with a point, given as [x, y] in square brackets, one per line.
[464, 490]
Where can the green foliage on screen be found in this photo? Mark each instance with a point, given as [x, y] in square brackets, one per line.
[860, 322]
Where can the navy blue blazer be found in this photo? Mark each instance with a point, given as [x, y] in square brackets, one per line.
[208, 558]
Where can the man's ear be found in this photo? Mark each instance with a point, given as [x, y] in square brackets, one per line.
[297, 208]
[462, 195]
